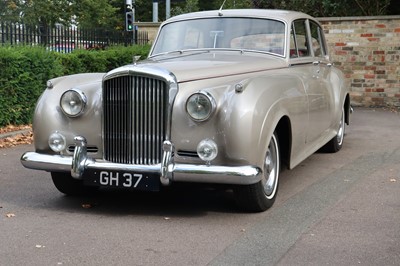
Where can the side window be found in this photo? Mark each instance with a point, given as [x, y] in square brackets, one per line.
[269, 42]
[298, 40]
[318, 44]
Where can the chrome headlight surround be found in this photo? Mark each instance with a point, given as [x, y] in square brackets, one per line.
[73, 102]
[200, 106]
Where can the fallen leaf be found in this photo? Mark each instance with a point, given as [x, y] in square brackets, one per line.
[22, 138]
[10, 215]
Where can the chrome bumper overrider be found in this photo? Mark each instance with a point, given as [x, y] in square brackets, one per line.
[167, 169]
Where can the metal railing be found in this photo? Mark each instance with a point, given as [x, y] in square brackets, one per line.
[66, 39]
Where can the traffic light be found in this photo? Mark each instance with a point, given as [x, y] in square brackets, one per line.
[129, 19]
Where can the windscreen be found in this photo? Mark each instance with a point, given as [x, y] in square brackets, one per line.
[264, 35]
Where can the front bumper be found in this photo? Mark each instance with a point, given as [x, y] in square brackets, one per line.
[167, 169]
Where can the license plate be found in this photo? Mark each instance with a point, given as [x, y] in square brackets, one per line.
[119, 179]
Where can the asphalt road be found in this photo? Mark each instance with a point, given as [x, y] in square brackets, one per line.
[333, 209]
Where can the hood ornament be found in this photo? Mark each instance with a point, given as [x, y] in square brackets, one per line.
[136, 59]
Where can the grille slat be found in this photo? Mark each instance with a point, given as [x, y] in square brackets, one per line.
[134, 119]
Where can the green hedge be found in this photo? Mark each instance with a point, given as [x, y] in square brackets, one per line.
[25, 70]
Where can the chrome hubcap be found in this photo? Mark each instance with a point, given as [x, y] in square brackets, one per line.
[271, 169]
[340, 134]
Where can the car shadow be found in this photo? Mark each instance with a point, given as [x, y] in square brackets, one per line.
[179, 200]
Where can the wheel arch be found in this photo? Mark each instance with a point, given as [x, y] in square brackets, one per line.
[284, 132]
[347, 109]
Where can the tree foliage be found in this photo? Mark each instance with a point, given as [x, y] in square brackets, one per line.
[229, 4]
[98, 13]
[89, 13]
[333, 8]
[190, 6]
[41, 12]
[110, 13]
[25, 70]
[317, 8]
[8, 10]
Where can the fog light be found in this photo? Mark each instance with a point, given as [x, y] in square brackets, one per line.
[207, 150]
[57, 142]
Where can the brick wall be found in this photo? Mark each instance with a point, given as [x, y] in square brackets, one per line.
[150, 27]
[367, 49]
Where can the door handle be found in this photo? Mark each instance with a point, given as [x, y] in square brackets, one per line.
[316, 64]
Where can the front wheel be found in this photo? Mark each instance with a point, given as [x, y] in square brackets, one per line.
[261, 196]
[68, 185]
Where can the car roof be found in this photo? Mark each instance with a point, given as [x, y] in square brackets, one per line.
[284, 15]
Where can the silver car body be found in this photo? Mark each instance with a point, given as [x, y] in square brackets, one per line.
[256, 92]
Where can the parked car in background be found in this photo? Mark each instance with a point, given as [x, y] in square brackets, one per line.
[224, 97]
[62, 47]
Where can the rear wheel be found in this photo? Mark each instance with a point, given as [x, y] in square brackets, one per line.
[68, 185]
[261, 196]
[335, 144]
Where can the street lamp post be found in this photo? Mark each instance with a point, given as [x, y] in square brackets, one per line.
[167, 9]
[155, 10]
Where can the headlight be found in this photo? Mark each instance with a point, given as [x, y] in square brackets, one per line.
[73, 102]
[200, 106]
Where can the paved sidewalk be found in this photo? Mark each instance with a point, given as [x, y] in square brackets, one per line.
[363, 228]
[348, 216]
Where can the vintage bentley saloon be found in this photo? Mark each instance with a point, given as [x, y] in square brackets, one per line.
[224, 97]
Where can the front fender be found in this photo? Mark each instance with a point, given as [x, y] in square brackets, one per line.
[257, 111]
[49, 117]
[244, 121]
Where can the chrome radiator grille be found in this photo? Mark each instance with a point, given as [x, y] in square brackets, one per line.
[135, 114]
